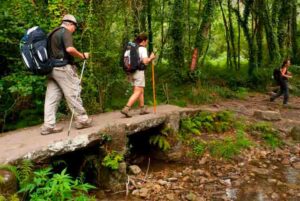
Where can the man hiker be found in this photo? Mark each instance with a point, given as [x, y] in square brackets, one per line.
[64, 81]
[137, 78]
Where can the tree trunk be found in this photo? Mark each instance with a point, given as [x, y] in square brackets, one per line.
[203, 31]
[295, 59]
[150, 33]
[177, 35]
[228, 60]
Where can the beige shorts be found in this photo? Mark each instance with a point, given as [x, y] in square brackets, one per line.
[137, 79]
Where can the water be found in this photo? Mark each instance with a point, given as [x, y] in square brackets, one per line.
[283, 183]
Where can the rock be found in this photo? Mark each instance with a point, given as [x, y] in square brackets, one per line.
[134, 169]
[191, 197]
[295, 133]
[172, 179]
[171, 196]
[186, 179]
[136, 192]
[143, 192]
[296, 165]
[274, 181]
[267, 115]
[199, 172]
[162, 182]
[260, 171]
[8, 185]
[285, 161]
[175, 153]
[275, 196]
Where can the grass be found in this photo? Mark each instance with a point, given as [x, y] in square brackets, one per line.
[217, 123]
[267, 133]
[229, 146]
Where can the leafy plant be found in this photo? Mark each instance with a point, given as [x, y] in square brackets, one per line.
[55, 187]
[188, 126]
[112, 160]
[13, 197]
[160, 140]
[267, 133]
[229, 147]
[272, 140]
[198, 147]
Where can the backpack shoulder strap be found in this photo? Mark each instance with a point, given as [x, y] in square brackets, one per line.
[61, 37]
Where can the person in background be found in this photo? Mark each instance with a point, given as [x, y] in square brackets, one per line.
[283, 83]
[138, 77]
[64, 81]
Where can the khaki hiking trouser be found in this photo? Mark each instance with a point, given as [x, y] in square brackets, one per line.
[63, 81]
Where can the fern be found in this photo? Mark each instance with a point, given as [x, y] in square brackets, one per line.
[47, 186]
[112, 160]
[25, 171]
[160, 141]
[188, 126]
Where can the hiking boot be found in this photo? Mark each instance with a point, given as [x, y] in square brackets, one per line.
[143, 110]
[85, 124]
[47, 130]
[126, 111]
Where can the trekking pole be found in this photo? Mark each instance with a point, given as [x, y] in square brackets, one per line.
[153, 87]
[72, 116]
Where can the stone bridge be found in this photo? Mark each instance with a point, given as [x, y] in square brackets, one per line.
[28, 144]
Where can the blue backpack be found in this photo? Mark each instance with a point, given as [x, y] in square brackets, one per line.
[35, 50]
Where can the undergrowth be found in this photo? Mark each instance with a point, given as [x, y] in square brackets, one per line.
[43, 184]
[218, 123]
[265, 131]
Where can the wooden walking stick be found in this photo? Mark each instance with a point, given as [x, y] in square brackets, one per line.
[153, 87]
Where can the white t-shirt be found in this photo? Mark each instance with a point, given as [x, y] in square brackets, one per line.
[143, 53]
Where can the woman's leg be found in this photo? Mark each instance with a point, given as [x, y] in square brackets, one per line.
[285, 92]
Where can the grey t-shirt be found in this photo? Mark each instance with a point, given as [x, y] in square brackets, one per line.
[59, 49]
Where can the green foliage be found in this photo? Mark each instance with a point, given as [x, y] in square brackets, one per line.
[161, 140]
[22, 100]
[272, 140]
[43, 184]
[229, 147]
[104, 27]
[261, 126]
[58, 187]
[265, 131]
[13, 197]
[198, 147]
[112, 160]
[208, 122]
[1, 179]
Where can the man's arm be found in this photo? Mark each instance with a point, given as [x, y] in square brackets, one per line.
[75, 53]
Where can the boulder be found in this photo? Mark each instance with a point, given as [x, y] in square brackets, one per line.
[134, 169]
[295, 133]
[267, 115]
[8, 184]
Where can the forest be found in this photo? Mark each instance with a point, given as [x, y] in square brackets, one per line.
[206, 50]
